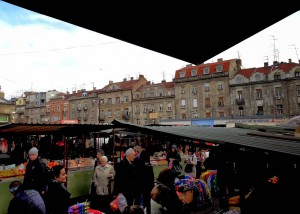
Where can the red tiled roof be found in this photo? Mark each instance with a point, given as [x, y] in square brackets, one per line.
[212, 68]
[128, 84]
[285, 67]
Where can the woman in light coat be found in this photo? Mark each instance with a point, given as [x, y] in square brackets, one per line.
[102, 180]
[190, 158]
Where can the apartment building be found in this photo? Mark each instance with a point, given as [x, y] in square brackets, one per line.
[115, 99]
[153, 102]
[202, 91]
[268, 90]
[82, 106]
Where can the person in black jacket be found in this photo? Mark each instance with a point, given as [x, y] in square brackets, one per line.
[125, 179]
[144, 177]
[25, 201]
[36, 174]
[57, 197]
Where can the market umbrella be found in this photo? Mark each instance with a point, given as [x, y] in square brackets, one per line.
[295, 121]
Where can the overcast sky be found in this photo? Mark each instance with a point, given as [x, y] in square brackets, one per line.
[40, 53]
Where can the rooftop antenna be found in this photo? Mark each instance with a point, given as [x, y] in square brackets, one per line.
[275, 51]
[163, 75]
[93, 85]
[295, 51]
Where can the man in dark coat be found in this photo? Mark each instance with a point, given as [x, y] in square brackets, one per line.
[25, 201]
[36, 175]
[144, 177]
[125, 180]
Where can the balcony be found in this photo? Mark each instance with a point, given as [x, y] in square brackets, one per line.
[240, 101]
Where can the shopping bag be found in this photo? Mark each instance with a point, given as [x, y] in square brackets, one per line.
[114, 204]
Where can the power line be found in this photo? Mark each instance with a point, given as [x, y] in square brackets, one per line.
[55, 49]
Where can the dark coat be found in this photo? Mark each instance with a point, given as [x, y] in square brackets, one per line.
[26, 201]
[36, 176]
[125, 180]
[57, 198]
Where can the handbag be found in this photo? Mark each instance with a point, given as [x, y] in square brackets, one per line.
[188, 168]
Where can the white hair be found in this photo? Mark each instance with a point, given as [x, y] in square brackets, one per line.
[104, 158]
[129, 151]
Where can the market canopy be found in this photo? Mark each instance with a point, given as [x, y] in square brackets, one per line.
[42, 129]
[241, 137]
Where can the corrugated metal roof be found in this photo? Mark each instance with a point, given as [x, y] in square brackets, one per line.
[221, 135]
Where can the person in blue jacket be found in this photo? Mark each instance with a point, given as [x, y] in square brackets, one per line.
[27, 201]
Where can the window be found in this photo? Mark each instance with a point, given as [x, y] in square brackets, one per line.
[206, 87]
[219, 68]
[182, 90]
[239, 79]
[58, 108]
[183, 103]
[241, 111]
[181, 74]
[220, 85]
[221, 101]
[240, 95]
[53, 109]
[278, 92]
[161, 108]
[169, 107]
[194, 90]
[277, 75]
[221, 114]
[206, 70]
[258, 93]
[194, 73]
[195, 103]
[260, 110]
[126, 99]
[195, 115]
[207, 114]
[109, 101]
[183, 116]
[207, 102]
[152, 94]
[297, 73]
[145, 108]
[298, 93]
[109, 112]
[257, 77]
[117, 100]
[279, 109]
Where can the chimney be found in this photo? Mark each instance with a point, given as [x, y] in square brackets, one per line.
[131, 78]
[124, 79]
[94, 88]
[163, 81]
[220, 60]
[266, 64]
[110, 82]
[290, 60]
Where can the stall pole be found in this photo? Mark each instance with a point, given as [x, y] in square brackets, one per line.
[114, 140]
